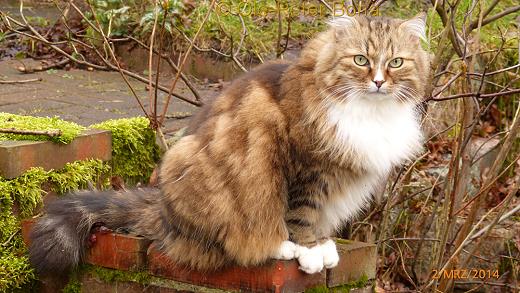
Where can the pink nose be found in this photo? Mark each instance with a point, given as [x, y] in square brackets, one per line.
[379, 83]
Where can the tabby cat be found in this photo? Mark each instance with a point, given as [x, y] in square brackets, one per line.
[277, 163]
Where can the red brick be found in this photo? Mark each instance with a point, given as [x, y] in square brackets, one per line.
[91, 284]
[357, 259]
[118, 251]
[16, 157]
[275, 276]
[26, 230]
[111, 250]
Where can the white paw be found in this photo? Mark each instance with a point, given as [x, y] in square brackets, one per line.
[310, 259]
[286, 251]
[330, 254]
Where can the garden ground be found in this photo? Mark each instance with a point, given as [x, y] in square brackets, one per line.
[84, 97]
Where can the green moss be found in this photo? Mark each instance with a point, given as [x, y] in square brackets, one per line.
[134, 151]
[318, 289]
[141, 277]
[360, 283]
[26, 191]
[343, 241]
[69, 130]
[135, 154]
[77, 175]
[109, 276]
[74, 286]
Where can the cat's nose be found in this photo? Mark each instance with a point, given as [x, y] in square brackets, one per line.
[379, 83]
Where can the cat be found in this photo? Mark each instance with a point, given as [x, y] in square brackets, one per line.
[276, 164]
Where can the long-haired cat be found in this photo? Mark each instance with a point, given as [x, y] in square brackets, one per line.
[284, 156]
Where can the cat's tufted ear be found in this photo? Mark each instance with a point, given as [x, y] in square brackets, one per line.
[343, 21]
[342, 25]
[416, 26]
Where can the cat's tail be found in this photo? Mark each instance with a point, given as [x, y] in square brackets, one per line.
[59, 239]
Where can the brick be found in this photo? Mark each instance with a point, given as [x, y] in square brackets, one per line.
[111, 250]
[16, 157]
[275, 276]
[118, 251]
[52, 284]
[92, 284]
[357, 259]
[26, 230]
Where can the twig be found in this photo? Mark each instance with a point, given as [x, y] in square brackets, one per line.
[503, 218]
[50, 133]
[10, 238]
[26, 69]
[177, 76]
[20, 81]
[496, 16]
[172, 65]
[179, 115]
[477, 95]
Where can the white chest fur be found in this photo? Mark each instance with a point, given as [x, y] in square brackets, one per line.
[380, 134]
[376, 135]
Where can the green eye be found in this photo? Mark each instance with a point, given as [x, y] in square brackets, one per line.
[396, 63]
[361, 60]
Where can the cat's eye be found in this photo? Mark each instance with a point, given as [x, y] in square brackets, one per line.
[396, 63]
[361, 60]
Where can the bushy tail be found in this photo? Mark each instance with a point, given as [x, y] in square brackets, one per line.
[59, 238]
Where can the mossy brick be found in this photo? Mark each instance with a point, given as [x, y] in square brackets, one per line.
[110, 250]
[26, 230]
[274, 276]
[92, 282]
[118, 251]
[357, 261]
[16, 157]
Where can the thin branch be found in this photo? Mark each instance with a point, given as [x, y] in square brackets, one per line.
[476, 95]
[20, 81]
[50, 133]
[496, 16]
[177, 76]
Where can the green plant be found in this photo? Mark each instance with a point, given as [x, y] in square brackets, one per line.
[134, 151]
[113, 15]
[26, 193]
[172, 10]
[69, 130]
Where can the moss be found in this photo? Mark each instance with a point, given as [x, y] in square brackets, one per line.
[74, 286]
[360, 283]
[343, 241]
[69, 130]
[140, 277]
[318, 289]
[26, 192]
[109, 275]
[135, 154]
[134, 151]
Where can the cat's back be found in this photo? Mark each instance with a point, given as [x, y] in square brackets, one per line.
[258, 86]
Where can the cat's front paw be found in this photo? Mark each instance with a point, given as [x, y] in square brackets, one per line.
[330, 254]
[310, 259]
[286, 251]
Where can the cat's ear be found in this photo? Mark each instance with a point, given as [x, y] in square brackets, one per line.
[416, 26]
[343, 21]
[342, 25]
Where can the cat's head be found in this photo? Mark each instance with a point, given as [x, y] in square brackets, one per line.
[373, 58]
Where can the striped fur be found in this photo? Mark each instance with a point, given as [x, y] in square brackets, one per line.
[279, 161]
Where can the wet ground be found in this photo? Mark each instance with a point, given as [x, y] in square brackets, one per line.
[86, 97]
